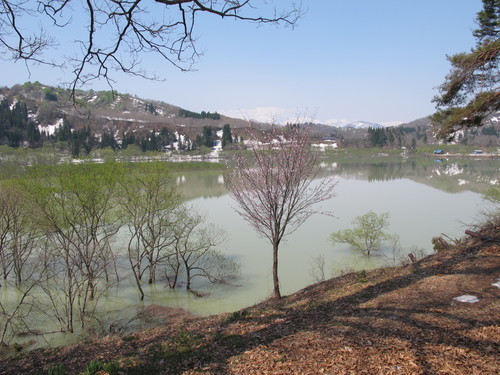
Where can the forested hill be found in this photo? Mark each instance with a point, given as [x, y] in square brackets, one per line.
[33, 114]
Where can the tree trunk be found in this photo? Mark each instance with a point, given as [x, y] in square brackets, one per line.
[188, 276]
[138, 283]
[276, 283]
[136, 270]
[152, 273]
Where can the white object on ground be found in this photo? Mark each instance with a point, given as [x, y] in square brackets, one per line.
[467, 298]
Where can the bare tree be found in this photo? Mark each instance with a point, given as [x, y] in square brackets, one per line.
[19, 302]
[16, 310]
[116, 34]
[18, 232]
[195, 251]
[275, 187]
[317, 269]
[6, 223]
[148, 201]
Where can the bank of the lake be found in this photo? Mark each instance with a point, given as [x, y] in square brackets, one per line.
[403, 320]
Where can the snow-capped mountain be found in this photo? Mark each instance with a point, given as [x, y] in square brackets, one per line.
[362, 125]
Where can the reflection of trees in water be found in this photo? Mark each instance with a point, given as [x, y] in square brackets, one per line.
[196, 184]
[452, 176]
[475, 175]
[458, 175]
[385, 171]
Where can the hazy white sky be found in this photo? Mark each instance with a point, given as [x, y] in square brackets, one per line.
[371, 60]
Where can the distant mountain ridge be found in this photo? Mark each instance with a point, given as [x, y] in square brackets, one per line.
[362, 125]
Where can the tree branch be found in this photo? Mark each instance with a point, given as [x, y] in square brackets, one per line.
[119, 32]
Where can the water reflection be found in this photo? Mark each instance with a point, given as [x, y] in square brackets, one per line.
[452, 176]
[415, 192]
[197, 184]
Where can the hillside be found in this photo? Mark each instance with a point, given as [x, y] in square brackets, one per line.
[102, 119]
[47, 103]
[389, 321]
[34, 115]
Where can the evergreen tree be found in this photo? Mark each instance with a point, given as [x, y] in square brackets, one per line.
[377, 136]
[164, 138]
[127, 139]
[226, 135]
[86, 139]
[208, 138]
[151, 109]
[75, 147]
[198, 141]
[63, 133]
[153, 142]
[33, 134]
[108, 140]
[470, 91]
[488, 20]
[144, 144]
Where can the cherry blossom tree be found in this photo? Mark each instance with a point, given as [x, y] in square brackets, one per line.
[275, 186]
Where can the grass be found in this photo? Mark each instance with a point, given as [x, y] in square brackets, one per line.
[95, 367]
[237, 315]
[362, 277]
[195, 166]
[57, 370]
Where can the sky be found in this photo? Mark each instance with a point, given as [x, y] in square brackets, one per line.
[371, 60]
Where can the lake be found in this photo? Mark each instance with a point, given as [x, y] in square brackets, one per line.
[425, 198]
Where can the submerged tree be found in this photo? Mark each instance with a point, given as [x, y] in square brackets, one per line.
[275, 187]
[17, 307]
[470, 91]
[148, 202]
[18, 232]
[367, 235]
[76, 205]
[195, 252]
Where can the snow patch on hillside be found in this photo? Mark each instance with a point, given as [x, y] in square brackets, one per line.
[93, 98]
[51, 128]
[362, 125]
[14, 102]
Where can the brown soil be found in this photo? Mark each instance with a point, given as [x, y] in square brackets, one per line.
[389, 321]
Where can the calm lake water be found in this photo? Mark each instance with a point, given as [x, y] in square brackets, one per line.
[424, 198]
